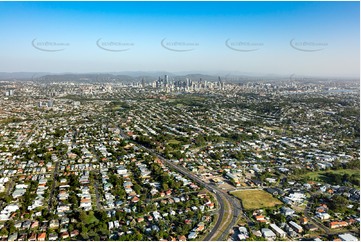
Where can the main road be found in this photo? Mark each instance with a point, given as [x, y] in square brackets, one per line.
[52, 191]
[227, 218]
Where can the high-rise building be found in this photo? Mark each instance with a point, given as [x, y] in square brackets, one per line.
[220, 83]
[9, 92]
[143, 83]
[50, 103]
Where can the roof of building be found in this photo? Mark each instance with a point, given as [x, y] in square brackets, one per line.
[348, 237]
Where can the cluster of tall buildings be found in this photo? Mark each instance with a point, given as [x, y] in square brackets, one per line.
[188, 85]
[9, 93]
[46, 104]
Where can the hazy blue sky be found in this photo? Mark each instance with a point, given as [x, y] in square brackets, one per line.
[305, 38]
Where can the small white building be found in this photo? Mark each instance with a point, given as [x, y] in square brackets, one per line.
[192, 235]
[296, 227]
[347, 237]
[323, 216]
[279, 232]
[268, 234]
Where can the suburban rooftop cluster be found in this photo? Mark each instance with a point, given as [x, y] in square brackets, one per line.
[179, 160]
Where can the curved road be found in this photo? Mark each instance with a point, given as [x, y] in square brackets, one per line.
[222, 197]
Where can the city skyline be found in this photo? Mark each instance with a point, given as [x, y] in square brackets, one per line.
[258, 38]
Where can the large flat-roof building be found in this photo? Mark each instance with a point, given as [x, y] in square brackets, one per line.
[296, 227]
[348, 237]
[268, 234]
[279, 232]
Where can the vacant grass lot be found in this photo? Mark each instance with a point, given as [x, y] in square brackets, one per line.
[321, 175]
[173, 142]
[256, 199]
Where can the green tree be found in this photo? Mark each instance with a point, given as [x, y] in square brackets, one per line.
[137, 188]
[84, 232]
[4, 231]
[165, 186]
[71, 227]
[10, 226]
[339, 203]
[101, 215]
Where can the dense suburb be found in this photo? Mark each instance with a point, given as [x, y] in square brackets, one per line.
[115, 161]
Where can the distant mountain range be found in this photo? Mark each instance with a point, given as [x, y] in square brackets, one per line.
[135, 76]
[129, 76]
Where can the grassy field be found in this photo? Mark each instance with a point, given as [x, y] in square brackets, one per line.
[173, 141]
[320, 175]
[256, 199]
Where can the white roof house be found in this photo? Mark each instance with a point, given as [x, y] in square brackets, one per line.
[268, 234]
[347, 237]
[278, 230]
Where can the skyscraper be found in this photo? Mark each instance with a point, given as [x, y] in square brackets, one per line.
[50, 103]
[143, 83]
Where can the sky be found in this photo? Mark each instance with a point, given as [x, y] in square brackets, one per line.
[259, 38]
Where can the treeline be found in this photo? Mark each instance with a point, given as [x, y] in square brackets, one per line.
[337, 179]
[120, 104]
[145, 141]
[240, 136]
[11, 120]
